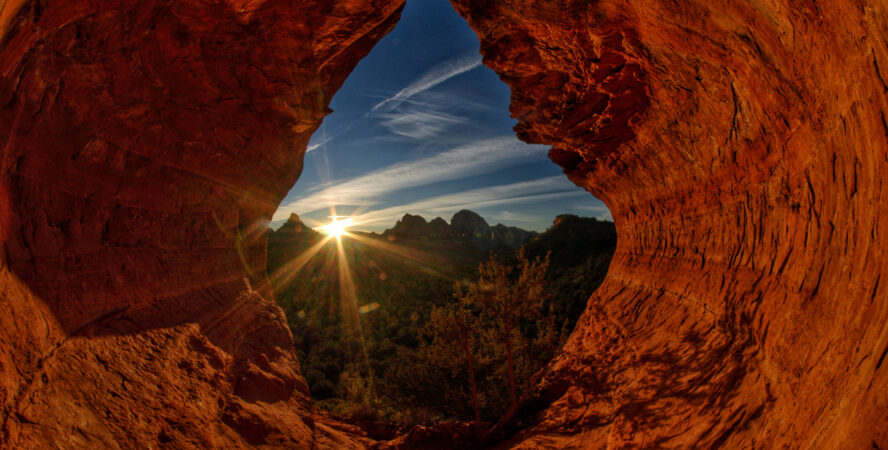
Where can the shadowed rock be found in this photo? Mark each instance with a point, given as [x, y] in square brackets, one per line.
[740, 147]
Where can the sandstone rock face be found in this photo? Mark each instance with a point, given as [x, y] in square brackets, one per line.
[742, 149]
[143, 145]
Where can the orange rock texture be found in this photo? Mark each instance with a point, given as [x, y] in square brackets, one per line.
[740, 146]
[143, 145]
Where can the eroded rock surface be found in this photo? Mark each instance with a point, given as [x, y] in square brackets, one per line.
[144, 146]
[741, 148]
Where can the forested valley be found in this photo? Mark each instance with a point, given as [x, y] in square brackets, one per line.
[430, 322]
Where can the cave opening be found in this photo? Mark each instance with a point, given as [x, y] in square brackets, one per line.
[145, 142]
[364, 263]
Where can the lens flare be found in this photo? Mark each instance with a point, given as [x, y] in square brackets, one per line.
[364, 309]
[336, 228]
[354, 315]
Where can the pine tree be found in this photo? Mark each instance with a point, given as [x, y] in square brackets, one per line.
[450, 327]
[506, 297]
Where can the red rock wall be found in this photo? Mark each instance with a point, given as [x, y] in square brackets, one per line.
[143, 145]
[742, 148]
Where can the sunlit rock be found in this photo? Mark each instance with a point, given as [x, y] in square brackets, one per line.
[740, 147]
[144, 147]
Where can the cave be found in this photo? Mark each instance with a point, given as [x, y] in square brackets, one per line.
[412, 182]
[739, 147]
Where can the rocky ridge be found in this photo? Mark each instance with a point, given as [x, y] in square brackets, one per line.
[465, 226]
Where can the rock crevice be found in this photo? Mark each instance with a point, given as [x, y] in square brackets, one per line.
[739, 155]
[144, 146]
[740, 147]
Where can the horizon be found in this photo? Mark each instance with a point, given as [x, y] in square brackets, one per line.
[421, 126]
[275, 226]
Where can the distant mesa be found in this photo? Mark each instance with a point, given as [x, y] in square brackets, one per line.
[465, 226]
[561, 218]
[408, 227]
[440, 228]
[294, 225]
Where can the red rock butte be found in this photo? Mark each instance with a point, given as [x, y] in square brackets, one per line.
[741, 146]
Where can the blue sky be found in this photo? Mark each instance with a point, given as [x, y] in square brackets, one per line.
[422, 127]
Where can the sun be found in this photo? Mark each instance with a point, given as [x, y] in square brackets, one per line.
[337, 227]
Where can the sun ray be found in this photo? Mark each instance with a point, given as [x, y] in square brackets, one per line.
[282, 277]
[349, 304]
[337, 228]
[428, 263]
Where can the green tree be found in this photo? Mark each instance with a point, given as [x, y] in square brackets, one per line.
[506, 297]
[450, 327]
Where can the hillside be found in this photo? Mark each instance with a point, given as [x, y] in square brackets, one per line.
[398, 276]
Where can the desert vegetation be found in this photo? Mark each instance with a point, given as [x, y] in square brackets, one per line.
[454, 334]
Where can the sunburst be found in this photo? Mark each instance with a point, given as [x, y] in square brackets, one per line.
[338, 227]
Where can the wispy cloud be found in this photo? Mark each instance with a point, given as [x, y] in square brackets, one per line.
[427, 114]
[539, 190]
[511, 217]
[315, 146]
[467, 160]
[446, 100]
[433, 77]
[422, 115]
[321, 137]
[419, 124]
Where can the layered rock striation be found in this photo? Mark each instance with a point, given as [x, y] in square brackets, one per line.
[143, 147]
[741, 147]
